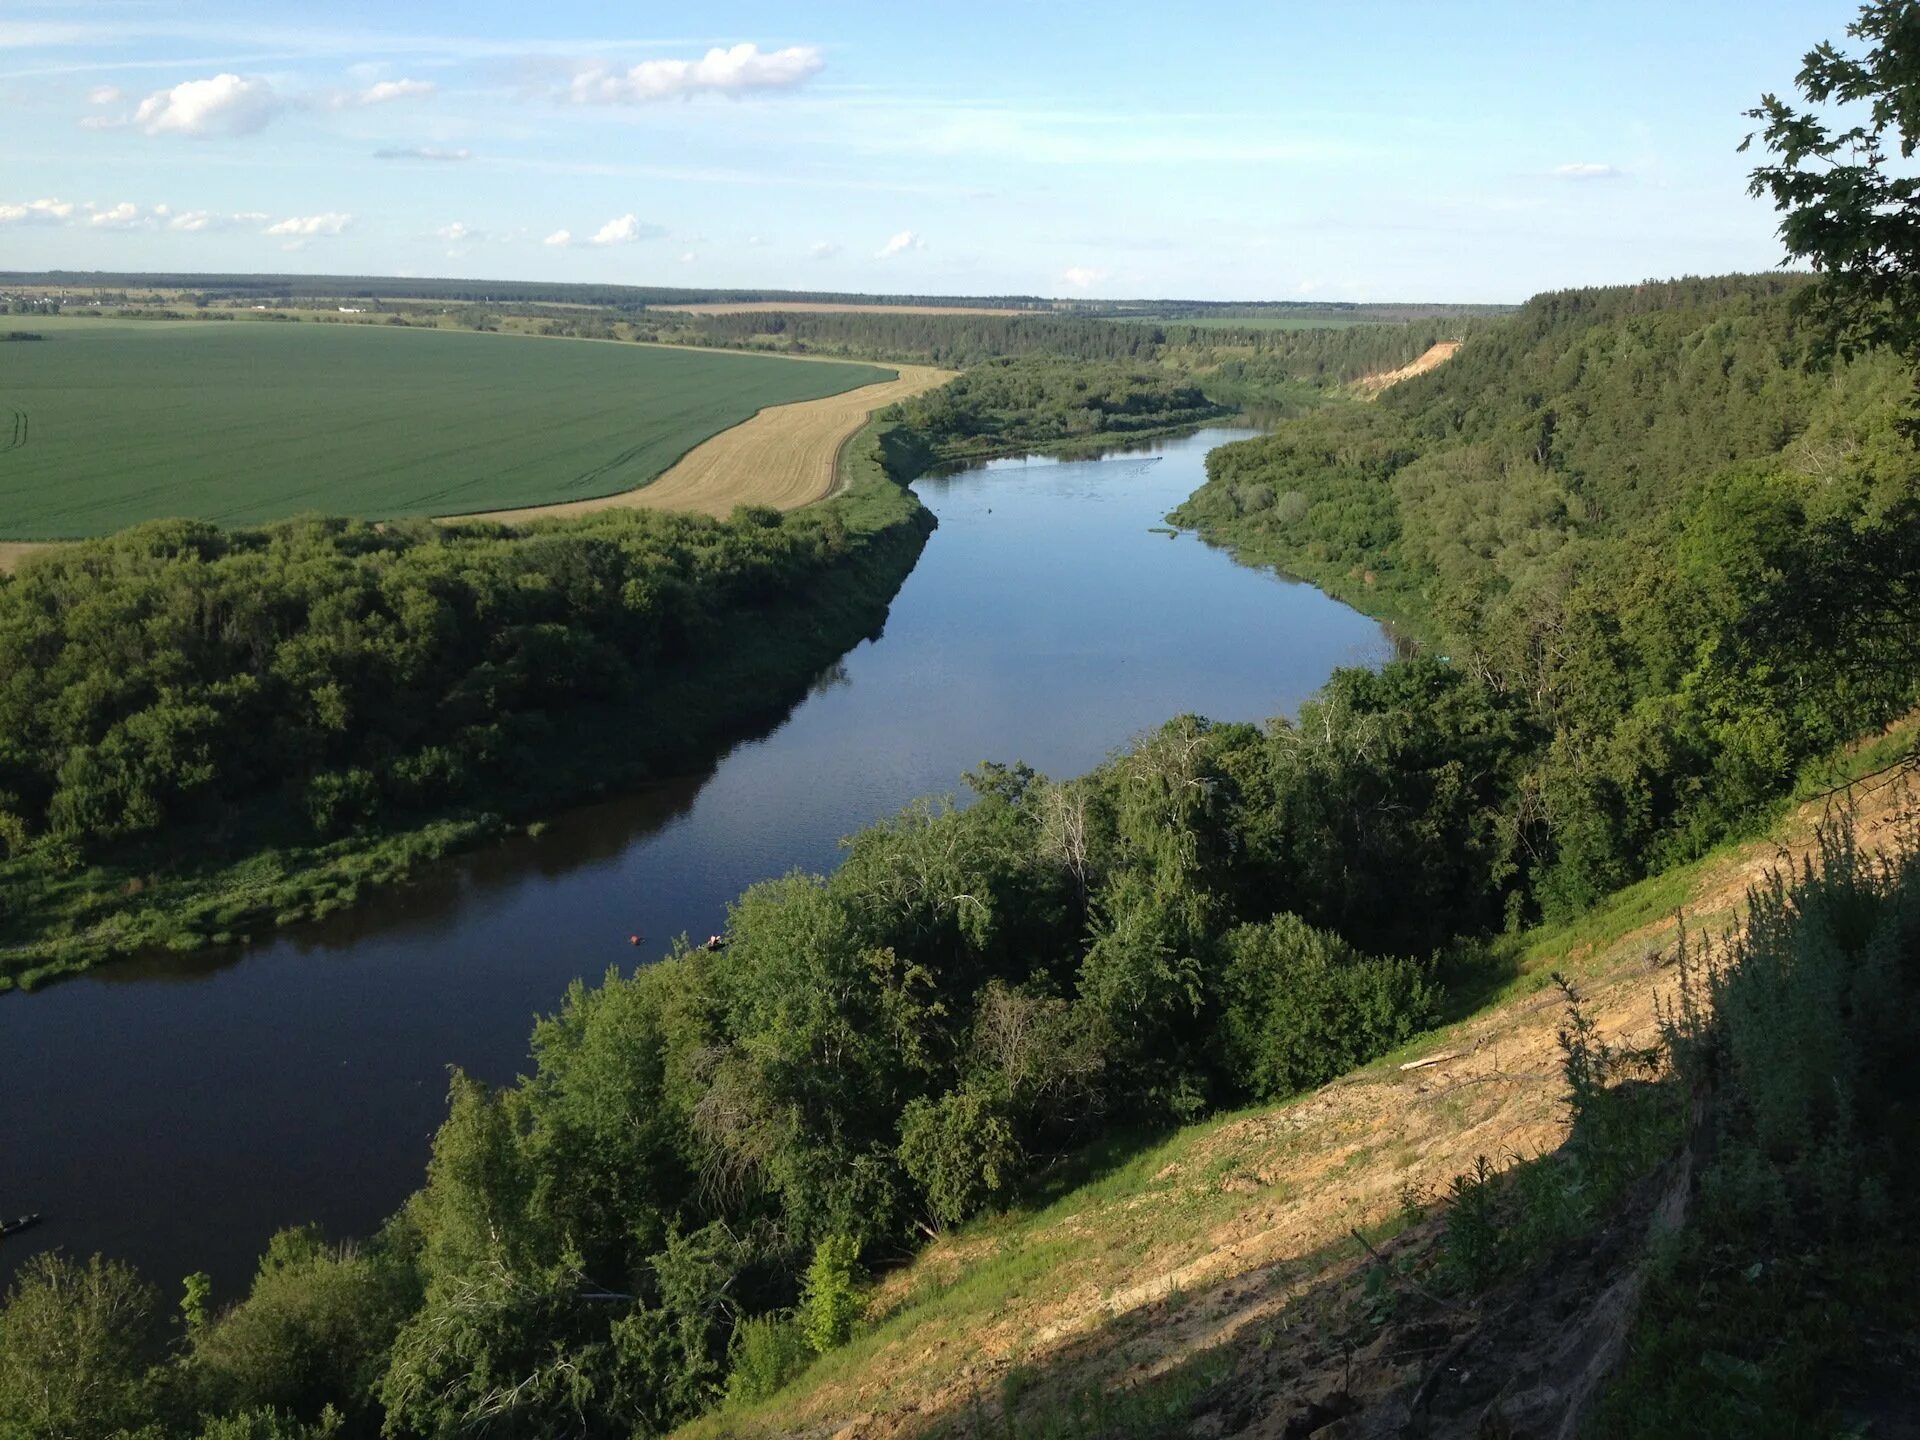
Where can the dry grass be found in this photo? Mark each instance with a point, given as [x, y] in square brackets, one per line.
[1436, 355]
[12, 552]
[786, 456]
[827, 307]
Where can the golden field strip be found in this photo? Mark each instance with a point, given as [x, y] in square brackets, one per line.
[786, 456]
[827, 307]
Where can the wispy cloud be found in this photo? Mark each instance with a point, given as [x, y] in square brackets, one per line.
[1083, 277]
[559, 239]
[306, 226]
[423, 152]
[823, 250]
[458, 233]
[1588, 170]
[387, 91]
[741, 70]
[124, 216]
[195, 222]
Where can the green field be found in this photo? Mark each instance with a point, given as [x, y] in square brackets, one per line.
[106, 423]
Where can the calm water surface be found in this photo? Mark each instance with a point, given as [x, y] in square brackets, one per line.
[175, 1111]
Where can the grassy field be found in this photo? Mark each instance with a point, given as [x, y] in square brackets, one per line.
[106, 423]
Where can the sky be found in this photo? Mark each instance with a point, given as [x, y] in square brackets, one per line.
[1446, 150]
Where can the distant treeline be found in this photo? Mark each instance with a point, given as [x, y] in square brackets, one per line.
[371, 287]
[1233, 359]
[1646, 515]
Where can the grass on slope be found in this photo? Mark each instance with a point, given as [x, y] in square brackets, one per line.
[106, 423]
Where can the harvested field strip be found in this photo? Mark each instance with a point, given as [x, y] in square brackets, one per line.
[1436, 355]
[786, 456]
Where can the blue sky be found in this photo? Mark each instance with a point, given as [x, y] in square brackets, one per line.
[1443, 150]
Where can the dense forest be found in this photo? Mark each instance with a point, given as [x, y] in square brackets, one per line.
[1623, 508]
[1018, 404]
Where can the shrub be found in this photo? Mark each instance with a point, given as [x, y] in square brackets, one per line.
[766, 1353]
[1302, 1006]
[960, 1150]
[831, 1304]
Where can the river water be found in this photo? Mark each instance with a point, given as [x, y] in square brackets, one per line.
[174, 1111]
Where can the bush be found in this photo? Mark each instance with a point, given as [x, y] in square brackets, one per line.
[831, 1304]
[766, 1353]
[1303, 1006]
[960, 1150]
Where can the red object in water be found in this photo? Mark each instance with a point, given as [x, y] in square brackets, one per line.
[633, 939]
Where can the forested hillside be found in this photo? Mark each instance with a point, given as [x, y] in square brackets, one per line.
[1622, 508]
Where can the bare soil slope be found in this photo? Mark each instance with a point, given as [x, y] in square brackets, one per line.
[1435, 356]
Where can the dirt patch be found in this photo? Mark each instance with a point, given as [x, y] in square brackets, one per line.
[827, 307]
[1436, 355]
[786, 456]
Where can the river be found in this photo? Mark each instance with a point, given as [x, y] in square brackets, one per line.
[174, 1111]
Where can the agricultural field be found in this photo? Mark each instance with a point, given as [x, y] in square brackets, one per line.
[106, 423]
[786, 456]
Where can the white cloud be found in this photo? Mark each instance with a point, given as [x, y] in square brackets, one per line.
[756, 240]
[625, 230]
[421, 152]
[224, 105]
[559, 239]
[37, 212]
[457, 232]
[389, 90]
[1083, 277]
[899, 244]
[688, 258]
[305, 226]
[124, 216]
[824, 250]
[106, 95]
[1588, 171]
[738, 71]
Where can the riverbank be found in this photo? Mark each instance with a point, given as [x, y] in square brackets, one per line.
[197, 887]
